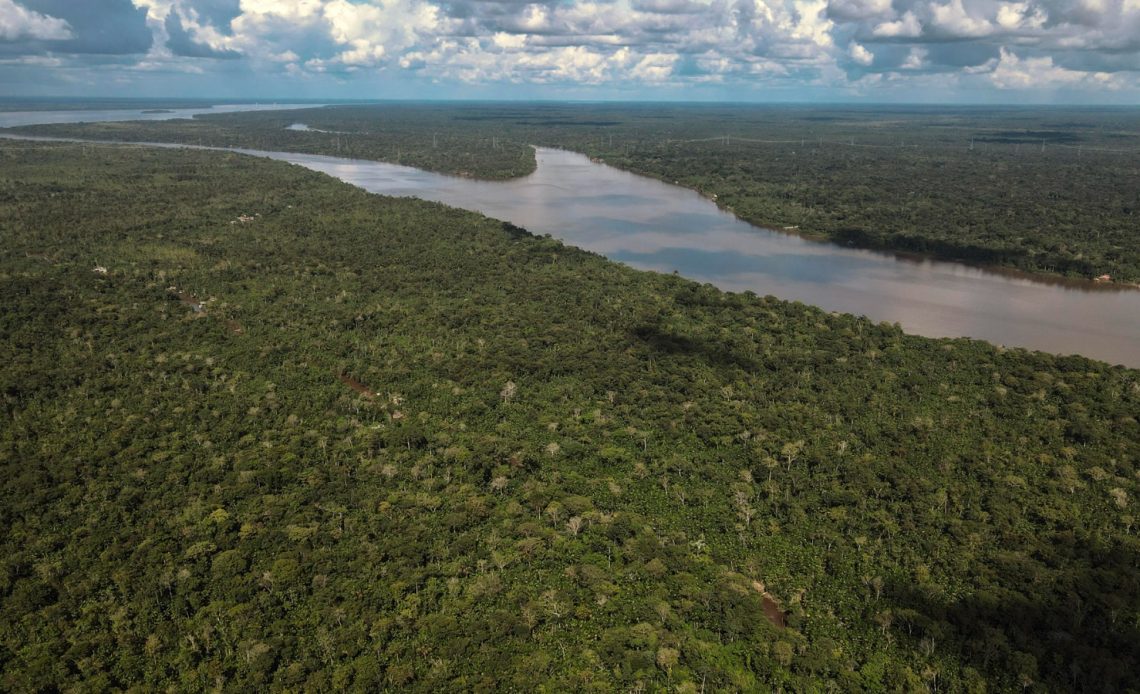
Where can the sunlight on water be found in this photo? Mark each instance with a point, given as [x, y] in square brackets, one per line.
[655, 226]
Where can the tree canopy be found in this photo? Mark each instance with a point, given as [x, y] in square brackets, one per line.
[263, 430]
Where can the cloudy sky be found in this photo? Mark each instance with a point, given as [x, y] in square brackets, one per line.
[1060, 51]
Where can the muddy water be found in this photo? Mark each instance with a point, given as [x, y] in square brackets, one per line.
[655, 226]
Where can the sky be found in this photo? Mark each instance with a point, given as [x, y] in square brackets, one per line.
[939, 51]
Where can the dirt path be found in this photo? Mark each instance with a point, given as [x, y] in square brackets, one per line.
[771, 608]
[356, 385]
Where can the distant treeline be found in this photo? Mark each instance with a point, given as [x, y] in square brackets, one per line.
[1042, 190]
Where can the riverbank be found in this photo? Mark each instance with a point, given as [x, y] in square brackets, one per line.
[904, 247]
[1063, 212]
[569, 473]
[456, 154]
[1059, 210]
[654, 226]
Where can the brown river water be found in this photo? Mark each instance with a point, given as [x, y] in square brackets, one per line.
[655, 226]
[652, 225]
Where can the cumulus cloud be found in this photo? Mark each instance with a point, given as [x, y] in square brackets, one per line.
[833, 44]
[181, 43]
[1013, 72]
[1012, 16]
[217, 13]
[907, 26]
[108, 27]
[953, 19]
[860, 54]
[852, 10]
[18, 22]
[365, 33]
[916, 59]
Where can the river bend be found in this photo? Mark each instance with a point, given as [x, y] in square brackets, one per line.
[651, 225]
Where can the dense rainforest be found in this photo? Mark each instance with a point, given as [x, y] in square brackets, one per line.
[427, 138]
[1044, 190]
[263, 430]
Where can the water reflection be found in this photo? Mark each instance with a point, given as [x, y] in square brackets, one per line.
[784, 267]
[652, 225]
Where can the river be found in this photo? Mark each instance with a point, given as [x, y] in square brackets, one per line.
[12, 119]
[651, 225]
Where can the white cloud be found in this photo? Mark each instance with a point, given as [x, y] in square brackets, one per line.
[288, 10]
[509, 41]
[655, 67]
[166, 65]
[982, 69]
[630, 43]
[860, 54]
[535, 18]
[18, 22]
[853, 10]
[1012, 16]
[916, 59]
[1013, 72]
[369, 31]
[813, 23]
[156, 10]
[656, 41]
[908, 26]
[955, 20]
[34, 60]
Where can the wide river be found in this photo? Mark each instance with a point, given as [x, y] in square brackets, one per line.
[655, 226]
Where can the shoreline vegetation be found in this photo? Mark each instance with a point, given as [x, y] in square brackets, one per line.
[266, 431]
[1042, 277]
[1050, 192]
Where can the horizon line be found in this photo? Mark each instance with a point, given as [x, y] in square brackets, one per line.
[461, 100]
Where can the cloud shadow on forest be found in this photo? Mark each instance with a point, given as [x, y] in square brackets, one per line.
[1062, 618]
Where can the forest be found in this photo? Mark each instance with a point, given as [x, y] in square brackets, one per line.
[265, 431]
[1045, 190]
